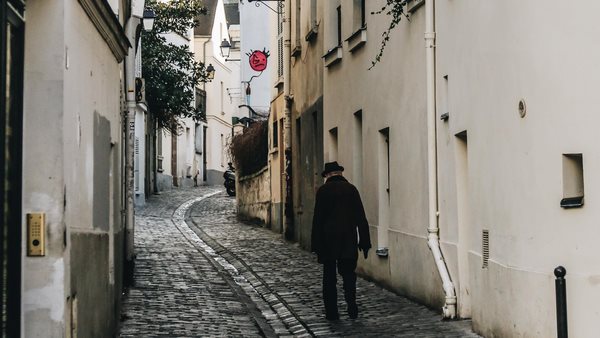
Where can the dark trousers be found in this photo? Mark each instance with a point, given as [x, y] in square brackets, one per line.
[345, 267]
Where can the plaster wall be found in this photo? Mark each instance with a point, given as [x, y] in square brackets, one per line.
[253, 197]
[306, 86]
[276, 166]
[72, 140]
[515, 170]
[362, 104]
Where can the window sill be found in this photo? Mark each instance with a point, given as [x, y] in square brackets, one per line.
[571, 202]
[357, 39]
[333, 56]
[296, 51]
[274, 151]
[312, 34]
[279, 83]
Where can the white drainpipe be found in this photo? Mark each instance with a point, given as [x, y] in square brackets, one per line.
[433, 239]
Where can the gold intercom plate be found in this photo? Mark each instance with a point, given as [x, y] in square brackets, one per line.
[36, 234]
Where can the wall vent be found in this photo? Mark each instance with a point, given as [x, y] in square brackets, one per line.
[485, 240]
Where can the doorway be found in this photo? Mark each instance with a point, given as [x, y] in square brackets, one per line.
[12, 32]
[464, 226]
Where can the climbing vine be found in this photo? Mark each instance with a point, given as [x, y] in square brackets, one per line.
[397, 10]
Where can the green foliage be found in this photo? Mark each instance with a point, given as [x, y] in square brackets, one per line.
[249, 150]
[397, 10]
[170, 71]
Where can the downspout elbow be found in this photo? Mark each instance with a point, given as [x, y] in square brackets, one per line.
[449, 308]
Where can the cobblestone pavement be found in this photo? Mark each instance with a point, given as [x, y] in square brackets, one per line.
[202, 273]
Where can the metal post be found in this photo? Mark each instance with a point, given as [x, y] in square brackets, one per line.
[561, 302]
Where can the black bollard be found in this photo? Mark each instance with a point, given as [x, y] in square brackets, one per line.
[561, 302]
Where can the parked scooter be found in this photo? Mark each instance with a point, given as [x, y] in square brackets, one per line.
[229, 177]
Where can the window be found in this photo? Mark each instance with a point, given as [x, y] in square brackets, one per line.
[333, 144]
[222, 98]
[358, 149]
[363, 14]
[296, 19]
[385, 156]
[201, 103]
[222, 150]
[299, 139]
[383, 192]
[572, 181]
[339, 25]
[313, 13]
[359, 19]
[280, 44]
[275, 135]
[312, 21]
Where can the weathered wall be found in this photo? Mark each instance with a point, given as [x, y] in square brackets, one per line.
[253, 197]
[307, 115]
[276, 165]
[72, 146]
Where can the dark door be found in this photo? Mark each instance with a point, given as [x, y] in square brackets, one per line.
[174, 159]
[204, 166]
[11, 119]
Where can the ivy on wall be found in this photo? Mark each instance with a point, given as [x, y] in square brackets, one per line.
[250, 149]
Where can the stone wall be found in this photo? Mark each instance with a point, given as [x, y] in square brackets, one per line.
[253, 195]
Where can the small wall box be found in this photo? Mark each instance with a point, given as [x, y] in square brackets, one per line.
[36, 234]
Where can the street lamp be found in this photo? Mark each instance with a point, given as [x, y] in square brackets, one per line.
[210, 72]
[148, 19]
[225, 48]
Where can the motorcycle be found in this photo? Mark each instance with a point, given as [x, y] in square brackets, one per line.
[229, 177]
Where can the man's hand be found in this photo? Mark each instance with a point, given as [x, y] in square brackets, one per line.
[365, 251]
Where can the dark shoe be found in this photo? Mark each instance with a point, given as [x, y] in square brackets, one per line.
[332, 316]
[353, 311]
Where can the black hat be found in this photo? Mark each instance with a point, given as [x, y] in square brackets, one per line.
[330, 167]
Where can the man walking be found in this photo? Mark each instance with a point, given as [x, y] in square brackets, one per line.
[337, 215]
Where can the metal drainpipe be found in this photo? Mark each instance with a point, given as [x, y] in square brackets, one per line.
[287, 114]
[433, 239]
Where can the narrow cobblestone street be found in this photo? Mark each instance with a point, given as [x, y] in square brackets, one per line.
[202, 273]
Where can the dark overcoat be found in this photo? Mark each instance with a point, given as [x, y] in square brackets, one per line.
[338, 214]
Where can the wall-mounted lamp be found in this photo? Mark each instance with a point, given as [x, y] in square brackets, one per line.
[210, 72]
[225, 48]
[148, 19]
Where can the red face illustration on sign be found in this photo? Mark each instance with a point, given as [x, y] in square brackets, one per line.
[258, 60]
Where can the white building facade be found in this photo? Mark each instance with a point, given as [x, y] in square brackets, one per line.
[475, 147]
[223, 93]
[71, 232]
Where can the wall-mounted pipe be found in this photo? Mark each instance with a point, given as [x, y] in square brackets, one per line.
[433, 240]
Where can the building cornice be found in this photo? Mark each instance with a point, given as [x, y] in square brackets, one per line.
[107, 24]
